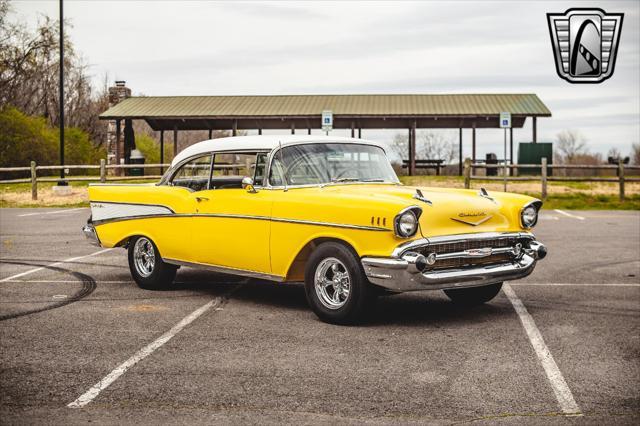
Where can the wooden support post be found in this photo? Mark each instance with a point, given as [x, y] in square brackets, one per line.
[118, 150]
[103, 170]
[621, 178]
[473, 144]
[175, 141]
[34, 181]
[535, 129]
[161, 150]
[309, 131]
[234, 130]
[543, 172]
[412, 149]
[359, 132]
[353, 129]
[210, 133]
[467, 173]
[460, 152]
[260, 131]
[293, 128]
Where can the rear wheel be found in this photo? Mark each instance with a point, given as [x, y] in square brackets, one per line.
[336, 287]
[146, 266]
[474, 295]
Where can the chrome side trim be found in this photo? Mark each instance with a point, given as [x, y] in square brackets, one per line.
[333, 225]
[238, 216]
[457, 238]
[106, 210]
[226, 270]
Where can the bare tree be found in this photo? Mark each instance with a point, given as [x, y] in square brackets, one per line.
[571, 144]
[635, 153]
[29, 64]
[429, 145]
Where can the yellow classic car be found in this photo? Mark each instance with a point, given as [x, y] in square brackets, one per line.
[324, 210]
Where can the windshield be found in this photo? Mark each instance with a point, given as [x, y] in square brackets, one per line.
[324, 163]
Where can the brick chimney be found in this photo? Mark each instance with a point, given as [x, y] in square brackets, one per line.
[115, 148]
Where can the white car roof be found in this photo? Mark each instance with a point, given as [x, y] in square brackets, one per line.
[260, 143]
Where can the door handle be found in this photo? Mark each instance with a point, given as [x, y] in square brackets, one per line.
[199, 199]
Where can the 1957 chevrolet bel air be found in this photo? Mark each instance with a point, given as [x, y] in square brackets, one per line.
[324, 210]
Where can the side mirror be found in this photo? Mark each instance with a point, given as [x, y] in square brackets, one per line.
[247, 183]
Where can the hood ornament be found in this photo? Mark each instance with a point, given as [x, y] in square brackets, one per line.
[420, 197]
[484, 194]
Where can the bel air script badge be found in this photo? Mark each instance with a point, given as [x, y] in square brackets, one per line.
[585, 43]
[463, 218]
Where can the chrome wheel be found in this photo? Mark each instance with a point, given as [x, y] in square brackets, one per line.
[332, 283]
[144, 257]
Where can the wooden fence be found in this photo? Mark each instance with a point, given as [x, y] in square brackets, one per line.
[544, 177]
[103, 177]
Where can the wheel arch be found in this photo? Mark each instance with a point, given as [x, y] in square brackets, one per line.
[296, 268]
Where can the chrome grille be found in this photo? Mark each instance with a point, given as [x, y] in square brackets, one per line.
[463, 245]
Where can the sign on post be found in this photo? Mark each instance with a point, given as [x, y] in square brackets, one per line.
[505, 120]
[505, 123]
[327, 120]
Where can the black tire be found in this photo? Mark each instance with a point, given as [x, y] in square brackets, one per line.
[351, 308]
[473, 296]
[159, 276]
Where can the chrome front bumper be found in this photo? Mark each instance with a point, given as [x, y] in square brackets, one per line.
[405, 273]
[89, 232]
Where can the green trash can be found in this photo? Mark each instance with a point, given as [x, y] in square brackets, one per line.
[136, 158]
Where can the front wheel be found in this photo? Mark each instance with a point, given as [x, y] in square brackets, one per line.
[146, 266]
[335, 285]
[474, 295]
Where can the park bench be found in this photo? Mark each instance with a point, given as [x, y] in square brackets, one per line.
[426, 164]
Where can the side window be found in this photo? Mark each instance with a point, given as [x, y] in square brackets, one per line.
[194, 174]
[230, 168]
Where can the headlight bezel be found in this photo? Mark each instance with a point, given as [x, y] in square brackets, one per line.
[536, 205]
[414, 211]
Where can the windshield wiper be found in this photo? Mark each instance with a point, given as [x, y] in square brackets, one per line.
[340, 180]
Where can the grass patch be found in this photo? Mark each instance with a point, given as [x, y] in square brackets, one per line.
[581, 201]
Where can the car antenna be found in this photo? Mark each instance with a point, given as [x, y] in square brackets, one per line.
[284, 173]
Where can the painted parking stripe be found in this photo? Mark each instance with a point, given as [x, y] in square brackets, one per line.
[563, 394]
[92, 393]
[578, 284]
[54, 212]
[71, 259]
[569, 214]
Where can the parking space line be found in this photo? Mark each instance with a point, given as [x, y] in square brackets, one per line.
[54, 212]
[563, 394]
[92, 393]
[569, 214]
[579, 285]
[72, 259]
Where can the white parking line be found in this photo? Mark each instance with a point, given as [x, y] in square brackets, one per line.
[54, 212]
[580, 285]
[90, 395]
[71, 259]
[563, 394]
[569, 214]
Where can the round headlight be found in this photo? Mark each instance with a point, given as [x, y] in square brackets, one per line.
[529, 216]
[406, 224]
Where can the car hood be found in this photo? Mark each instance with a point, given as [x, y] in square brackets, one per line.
[445, 211]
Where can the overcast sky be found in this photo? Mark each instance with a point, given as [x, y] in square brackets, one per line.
[234, 48]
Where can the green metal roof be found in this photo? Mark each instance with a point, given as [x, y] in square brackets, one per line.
[342, 105]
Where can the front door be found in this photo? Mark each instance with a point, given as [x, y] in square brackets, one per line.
[231, 226]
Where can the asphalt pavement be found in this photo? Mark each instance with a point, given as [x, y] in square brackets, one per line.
[80, 342]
